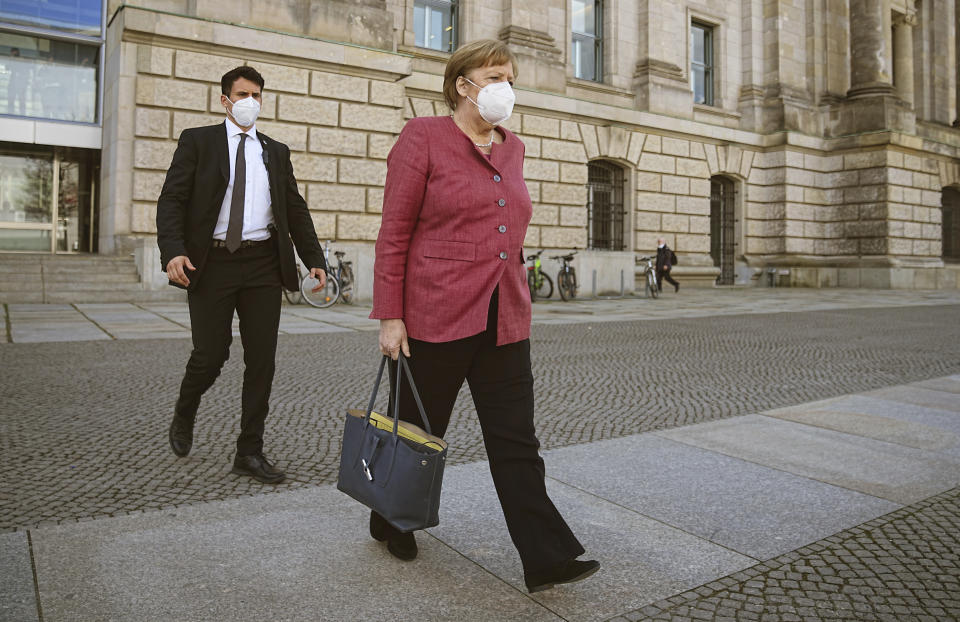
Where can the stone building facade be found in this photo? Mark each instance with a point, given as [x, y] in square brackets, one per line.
[826, 155]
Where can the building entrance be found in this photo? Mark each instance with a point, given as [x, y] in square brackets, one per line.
[48, 199]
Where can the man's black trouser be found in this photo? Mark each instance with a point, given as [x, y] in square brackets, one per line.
[664, 275]
[501, 383]
[248, 282]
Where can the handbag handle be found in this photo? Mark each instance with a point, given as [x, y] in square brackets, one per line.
[401, 363]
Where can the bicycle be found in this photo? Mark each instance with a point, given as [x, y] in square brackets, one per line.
[538, 280]
[650, 277]
[339, 285]
[567, 277]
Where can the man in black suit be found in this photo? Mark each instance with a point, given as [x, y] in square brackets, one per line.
[225, 218]
[666, 259]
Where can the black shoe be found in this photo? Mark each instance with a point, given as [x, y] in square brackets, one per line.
[567, 572]
[258, 467]
[676, 288]
[401, 545]
[181, 436]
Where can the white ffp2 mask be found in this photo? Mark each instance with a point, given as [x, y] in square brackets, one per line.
[245, 111]
[494, 101]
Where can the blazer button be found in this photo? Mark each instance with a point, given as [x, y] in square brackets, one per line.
[496, 178]
[501, 202]
[502, 228]
[503, 255]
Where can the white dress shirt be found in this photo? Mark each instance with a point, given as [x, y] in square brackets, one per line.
[257, 214]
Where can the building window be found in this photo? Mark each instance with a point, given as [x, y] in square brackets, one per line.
[77, 17]
[950, 222]
[723, 227]
[48, 78]
[605, 210]
[588, 40]
[701, 63]
[434, 24]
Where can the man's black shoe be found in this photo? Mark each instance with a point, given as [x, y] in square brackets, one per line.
[676, 288]
[181, 436]
[258, 467]
[401, 545]
[567, 572]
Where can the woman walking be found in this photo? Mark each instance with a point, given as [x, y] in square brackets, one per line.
[450, 292]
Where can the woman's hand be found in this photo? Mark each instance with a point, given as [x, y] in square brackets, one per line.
[393, 338]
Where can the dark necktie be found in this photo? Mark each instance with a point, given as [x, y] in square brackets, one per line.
[235, 226]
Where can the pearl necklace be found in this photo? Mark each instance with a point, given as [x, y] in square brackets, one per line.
[485, 145]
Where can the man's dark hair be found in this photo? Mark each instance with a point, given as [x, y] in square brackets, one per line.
[244, 71]
[16, 52]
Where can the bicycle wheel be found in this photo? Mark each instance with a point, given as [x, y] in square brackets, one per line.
[652, 285]
[574, 285]
[532, 285]
[324, 298]
[346, 285]
[294, 297]
[546, 286]
[565, 285]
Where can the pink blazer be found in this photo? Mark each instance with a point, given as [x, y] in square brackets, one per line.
[453, 227]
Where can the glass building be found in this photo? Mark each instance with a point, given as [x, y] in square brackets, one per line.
[50, 124]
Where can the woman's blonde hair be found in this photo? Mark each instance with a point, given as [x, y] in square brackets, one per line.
[472, 56]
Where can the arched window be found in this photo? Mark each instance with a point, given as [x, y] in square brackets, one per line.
[950, 222]
[723, 227]
[605, 209]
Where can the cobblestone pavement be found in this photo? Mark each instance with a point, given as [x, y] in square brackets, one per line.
[901, 567]
[83, 424]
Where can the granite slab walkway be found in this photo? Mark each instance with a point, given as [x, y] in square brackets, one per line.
[665, 512]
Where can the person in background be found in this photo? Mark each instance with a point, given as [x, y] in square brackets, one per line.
[666, 259]
[451, 293]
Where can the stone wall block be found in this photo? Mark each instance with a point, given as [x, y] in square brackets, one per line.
[309, 167]
[899, 176]
[375, 200]
[153, 154]
[532, 239]
[387, 93]
[565, 194]
[143, 217]
[293, 136]
[693, 168]
[167, 93]
[205, 67]
[563, 237]
[562, 150]
[573, 216]
[541, 126]
[325, 225]
[153, 122]
[674, 185]
[422, 107]
[618, 143]
[367, 172]
[656, 202]
[635, 150]
[713, 163]
[379, 145]
[307, 110]
[531, 146]
[338, 86]
[700, 187]
[930, 231]
[692, 243]
[545, 215]
[657, 163]
[590, 142]
[653, 144]
[337, 198]
[675, 223]
[693, 205]
[533, 189]
[865, 159]
[569, 131]
[573, 173]
[147, 185]
[541, 170]
[746, 163]
[930, 198]
[186, 120]
[155, 60]
[646, 221]
[358, 226]
[700, 224]
[338, 142]
[675, 147]
[282, 78]
[374, 118]
[648, 182]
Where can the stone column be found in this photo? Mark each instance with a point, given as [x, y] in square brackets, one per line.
[870, 69]
[903, 55]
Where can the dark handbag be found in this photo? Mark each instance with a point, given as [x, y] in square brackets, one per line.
[673, 258]
[395, 470]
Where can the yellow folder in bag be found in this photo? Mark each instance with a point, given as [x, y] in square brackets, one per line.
[405, 430]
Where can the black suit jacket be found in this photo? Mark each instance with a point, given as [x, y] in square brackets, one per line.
[193, 192]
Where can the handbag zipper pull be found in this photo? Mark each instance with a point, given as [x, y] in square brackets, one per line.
[366, 470]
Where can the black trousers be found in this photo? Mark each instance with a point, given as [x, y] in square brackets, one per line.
[501, 383]
[248, 282]
[664, 275]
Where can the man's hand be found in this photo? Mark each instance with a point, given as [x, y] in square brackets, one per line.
[393, 338]
[321, 276]
[175, 270]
